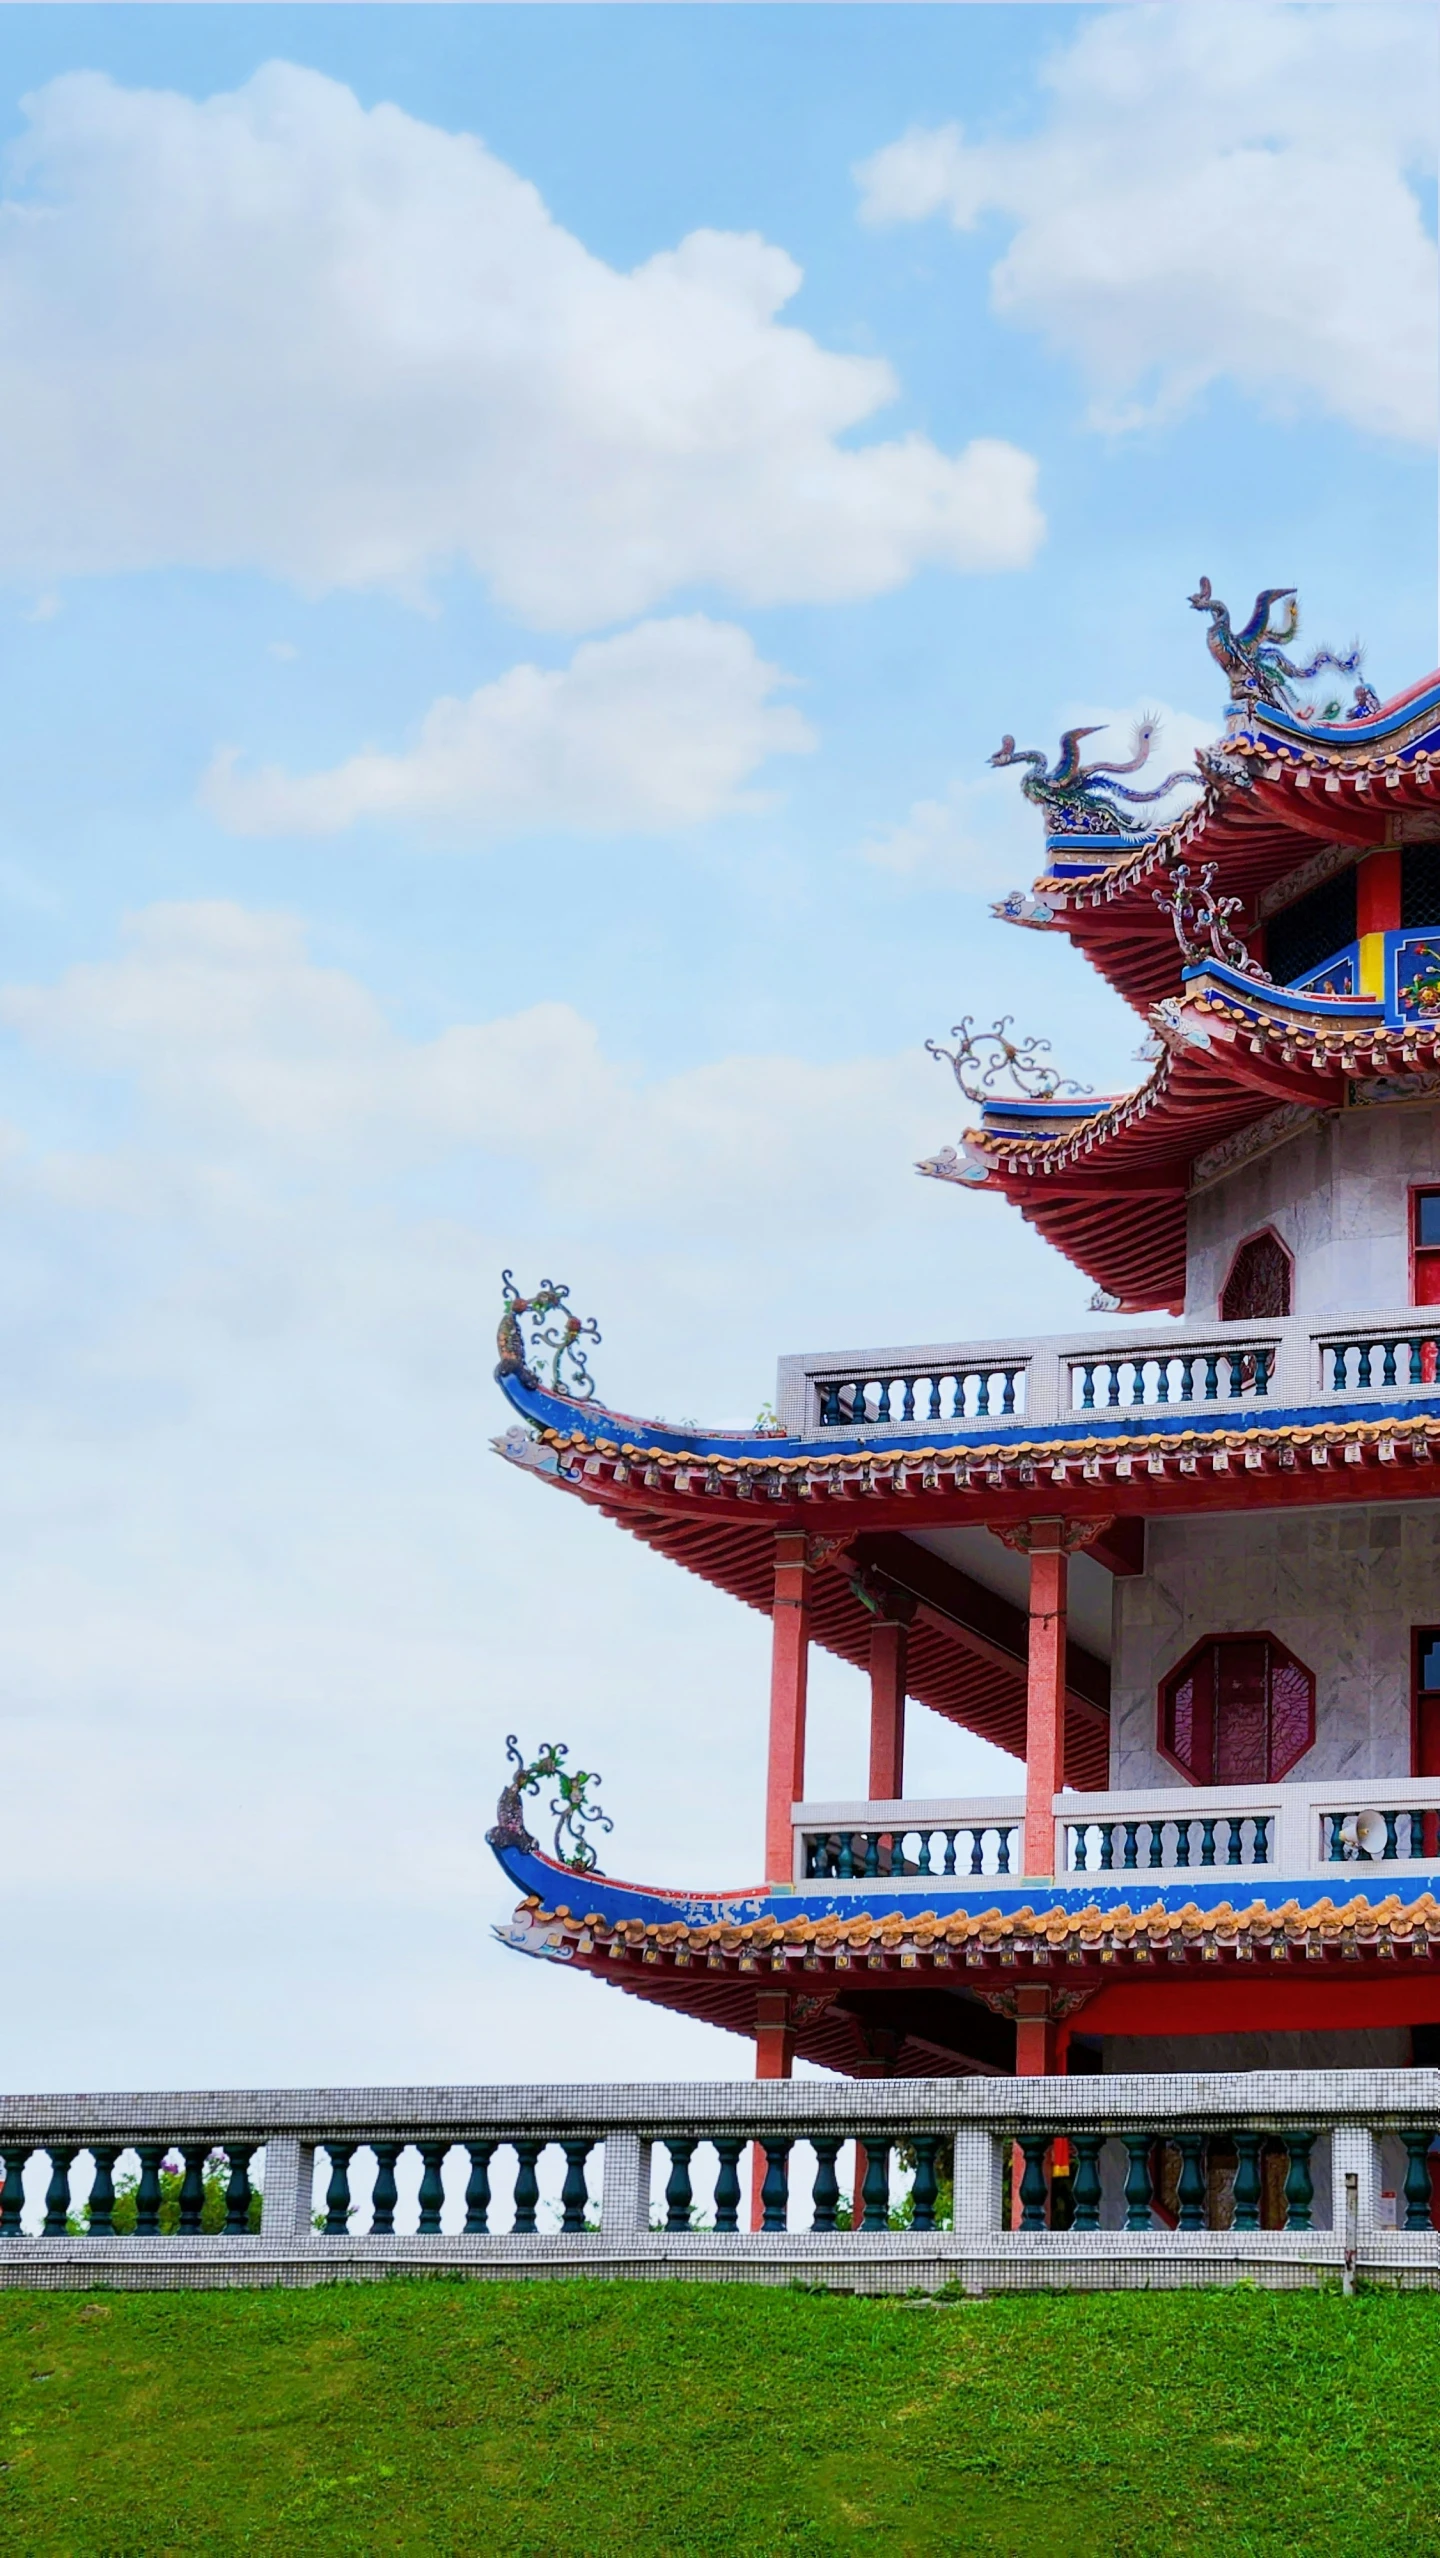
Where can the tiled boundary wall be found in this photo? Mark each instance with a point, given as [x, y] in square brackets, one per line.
[1362, 2138]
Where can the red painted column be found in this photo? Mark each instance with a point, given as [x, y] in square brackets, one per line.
[1045, 1694]
[789, 1665]
[774, 2058]
[889, 1646]
[1377, 891]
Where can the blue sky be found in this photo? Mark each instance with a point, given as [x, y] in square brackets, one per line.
[520, 528]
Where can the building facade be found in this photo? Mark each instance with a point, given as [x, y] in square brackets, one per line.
[1186, 1565]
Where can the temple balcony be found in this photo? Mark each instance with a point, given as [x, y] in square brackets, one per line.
[1290, 1365]
[1301, 1828]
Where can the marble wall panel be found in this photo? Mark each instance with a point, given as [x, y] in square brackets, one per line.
[1342, 1587]
[1337, 1194]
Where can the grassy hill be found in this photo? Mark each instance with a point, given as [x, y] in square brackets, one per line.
[579, 2418]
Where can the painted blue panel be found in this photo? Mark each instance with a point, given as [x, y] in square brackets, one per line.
[1337, 976]
[1412, 976]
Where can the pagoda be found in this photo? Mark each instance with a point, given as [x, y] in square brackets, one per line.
[1186, 1564]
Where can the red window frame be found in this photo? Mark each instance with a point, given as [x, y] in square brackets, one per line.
[1188, 1661]
[1426, 1253]
[1257, 1236]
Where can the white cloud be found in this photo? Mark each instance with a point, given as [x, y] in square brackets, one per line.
[1214, 191]
[275, 330]
[265, 1595]
[984, 838]
[658, 727]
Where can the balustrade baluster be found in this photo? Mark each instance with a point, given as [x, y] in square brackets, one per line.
[1007, 1399]
[1112, 1385]
[1187, 1378]
[872, 1854]
[1417, 1363]
[875, 2191]
[1156, 1856]
[727, 2147]
[775, 2190]
[103, 2155]
[1087, 1389]
[12, 2195]
[192, 2190]
[1391, 1849]
[527, 2185]
[1417, 2176]
[1212, 1378]
[1137, 2179]
[477, 2185]
[1247, 2180]
[1086, 2189]
[573, 2196]
[1034, 2148]
[1299, 2183]
[1365, 1363]
[1182, 1842]
[1261, 1827]
[1191, 2194]
[977, 1851]
[147, 2192]
[679, 2201]
[825, 2193]
[1129, 1859]
[1079, 1847]
[384, 2194]
[432, 2187]
[845, 1862]
[1336, 1854]
[1234, 1850]
[1236, 1363]
[907, 1400]
[337, 2192]
[926, 2187]
[950, 1837]
[57, 2192]
[1339, 1362]
[1262, 1372]
[1162, 1380]
[1387, 1370]
[1107, 1847]
[1004, 1840]
[238, 2155]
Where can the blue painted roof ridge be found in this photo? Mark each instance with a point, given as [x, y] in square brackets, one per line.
[598, 1423]
[611, 1900]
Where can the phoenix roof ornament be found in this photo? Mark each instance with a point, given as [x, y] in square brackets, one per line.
[1022, 1060]
[1255, 666]
[1076, 798]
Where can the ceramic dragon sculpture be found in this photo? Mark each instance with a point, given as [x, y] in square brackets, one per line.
[1253, 660]
[1078, 799]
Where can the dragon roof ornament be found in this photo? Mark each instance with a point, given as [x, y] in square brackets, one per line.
[1255, 666]
[1202, 921]
[1022, 1060]
[1079, 799]
[569, 1374]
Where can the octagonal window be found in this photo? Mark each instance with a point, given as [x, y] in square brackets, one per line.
[1238, 1710]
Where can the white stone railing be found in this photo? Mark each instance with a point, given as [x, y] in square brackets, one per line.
[1152, 1366]
[1281, 2177]
[1309, 1828]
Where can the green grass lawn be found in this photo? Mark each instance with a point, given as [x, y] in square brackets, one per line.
[576, 2417]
